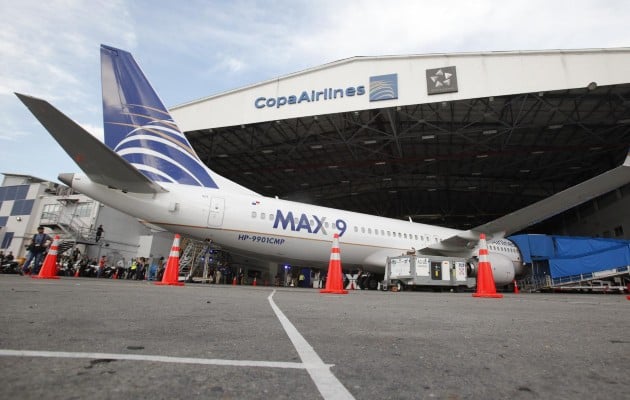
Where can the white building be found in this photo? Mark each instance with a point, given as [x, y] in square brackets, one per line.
[27, 202]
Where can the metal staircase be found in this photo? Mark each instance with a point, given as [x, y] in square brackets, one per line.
[192, 261]
[547, 282]
[68, 227]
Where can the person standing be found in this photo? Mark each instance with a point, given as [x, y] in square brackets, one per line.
[37, 248]
[101, 266]
[99, 232]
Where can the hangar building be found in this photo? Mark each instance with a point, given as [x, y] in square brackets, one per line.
[454, 140]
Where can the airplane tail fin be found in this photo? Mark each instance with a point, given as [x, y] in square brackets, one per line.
[139, 128]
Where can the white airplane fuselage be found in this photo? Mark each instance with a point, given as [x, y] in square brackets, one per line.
[281, 230]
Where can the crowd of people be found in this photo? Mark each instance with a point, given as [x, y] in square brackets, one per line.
[140, 268]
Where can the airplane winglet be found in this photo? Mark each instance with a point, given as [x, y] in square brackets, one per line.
[101, 164]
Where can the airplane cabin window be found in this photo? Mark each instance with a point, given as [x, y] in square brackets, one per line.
[270, 216]
[362, 230]
[370, 231]
[263, 215]
[356, 228]
[253, 214]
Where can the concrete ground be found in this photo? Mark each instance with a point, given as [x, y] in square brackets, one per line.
[78, 338]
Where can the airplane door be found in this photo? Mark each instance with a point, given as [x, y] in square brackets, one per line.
[215, 216]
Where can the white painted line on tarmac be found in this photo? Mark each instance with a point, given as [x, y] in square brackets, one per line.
[327, 384]
[162, 359]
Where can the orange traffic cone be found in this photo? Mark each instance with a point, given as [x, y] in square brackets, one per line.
[254, 283]
[76, 273]
[334, 282]
[49, 268]
[234, 281]
[485, 280]
[516, 287]
[171, 272]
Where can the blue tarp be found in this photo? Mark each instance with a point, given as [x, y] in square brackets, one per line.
[599, 261]
[569, 256]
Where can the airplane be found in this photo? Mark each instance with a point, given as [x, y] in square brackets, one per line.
[147, 168]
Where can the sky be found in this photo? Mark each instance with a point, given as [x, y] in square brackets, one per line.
[196, 48]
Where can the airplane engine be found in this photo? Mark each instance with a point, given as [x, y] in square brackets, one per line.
[503, 270]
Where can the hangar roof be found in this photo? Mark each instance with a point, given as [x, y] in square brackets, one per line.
[450, 139]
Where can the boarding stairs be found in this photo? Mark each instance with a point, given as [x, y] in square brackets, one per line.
[192, 262]
[575, 281]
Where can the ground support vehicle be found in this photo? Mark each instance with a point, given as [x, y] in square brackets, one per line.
[430, 272]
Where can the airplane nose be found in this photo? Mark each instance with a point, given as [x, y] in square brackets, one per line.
[66, 178]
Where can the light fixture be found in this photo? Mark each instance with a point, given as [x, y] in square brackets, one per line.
[380, 163]
[489, 132]
[555, 126]
[592, 86]
[369, 141]
[19, 219]
[426, 137]
[267, 151]
[316, 146]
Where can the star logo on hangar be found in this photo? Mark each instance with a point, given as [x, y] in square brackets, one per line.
[441, 80]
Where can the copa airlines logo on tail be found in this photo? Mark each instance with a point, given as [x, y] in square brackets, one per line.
[382, 87]
[161, 152]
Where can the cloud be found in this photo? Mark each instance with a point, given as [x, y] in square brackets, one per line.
[192, 49]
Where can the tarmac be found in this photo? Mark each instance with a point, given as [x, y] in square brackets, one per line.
[78, 338]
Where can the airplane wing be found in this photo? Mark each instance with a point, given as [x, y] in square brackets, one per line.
[539, 211]
[101, 164]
